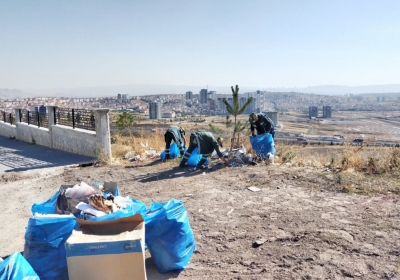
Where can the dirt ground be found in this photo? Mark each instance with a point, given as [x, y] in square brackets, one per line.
[310, 228]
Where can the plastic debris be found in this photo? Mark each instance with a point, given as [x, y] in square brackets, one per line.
[254, 189]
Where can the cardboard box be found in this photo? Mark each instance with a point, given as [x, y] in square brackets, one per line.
[107, 250]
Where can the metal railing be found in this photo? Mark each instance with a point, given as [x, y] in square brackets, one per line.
[34, 118]
[7, 117]
[75, 118]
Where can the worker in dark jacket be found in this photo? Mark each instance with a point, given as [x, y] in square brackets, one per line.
[177, 134]
[206, 144]
[262, 123]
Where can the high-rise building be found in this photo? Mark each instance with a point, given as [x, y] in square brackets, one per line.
[242, 100]
[213, 104]
[211, 95]
[327, 112]
[203, 96]
[313, 112]
[257, 105]
[42, 109]
[155, 110]
[189, 95]
[260, 101]
[220, 104]
[252, 107]
[119, 96]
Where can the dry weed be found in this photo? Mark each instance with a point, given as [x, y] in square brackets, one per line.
[364, 159]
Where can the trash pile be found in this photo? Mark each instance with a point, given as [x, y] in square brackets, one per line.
[93, 232]
[263, 145]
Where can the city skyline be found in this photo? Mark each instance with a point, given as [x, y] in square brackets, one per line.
[258, 44]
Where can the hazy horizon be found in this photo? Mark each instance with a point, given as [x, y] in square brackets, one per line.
[137, 90]
[259, 44]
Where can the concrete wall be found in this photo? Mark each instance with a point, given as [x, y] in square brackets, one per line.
[33, 134]
[7, 130]
[78, 141]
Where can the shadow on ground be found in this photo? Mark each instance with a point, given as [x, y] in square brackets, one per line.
[21, 156]
[176, 172]
[153, 273]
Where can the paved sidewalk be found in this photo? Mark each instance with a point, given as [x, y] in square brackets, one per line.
[20, 156]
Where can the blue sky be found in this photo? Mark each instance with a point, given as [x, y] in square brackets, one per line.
[281, 43]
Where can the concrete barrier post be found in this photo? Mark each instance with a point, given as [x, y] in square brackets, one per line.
[18, 116]
[50, 115]
[103, 138]
[51, 122]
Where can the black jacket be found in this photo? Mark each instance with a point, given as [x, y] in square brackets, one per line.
[263, 125]
[206, 142]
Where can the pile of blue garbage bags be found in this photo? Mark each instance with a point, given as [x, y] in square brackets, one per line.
[168, 237]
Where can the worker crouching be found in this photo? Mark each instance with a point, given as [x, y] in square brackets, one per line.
[177, 134]
[206, 144]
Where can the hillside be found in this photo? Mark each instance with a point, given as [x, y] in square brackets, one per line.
[313, 222]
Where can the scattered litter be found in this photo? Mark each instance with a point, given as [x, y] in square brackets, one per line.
[230, 211]
[200, 210]
[235, 164]
[188, 194]
[204, 173]
[129, 154]
[254, 189]
[259, 242]
[143, 145]
[240, 152]
[135, 158]
[278, 187]
[151, 152]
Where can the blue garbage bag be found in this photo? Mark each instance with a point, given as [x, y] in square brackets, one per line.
[173, 152]
[133, 208]
[169, 236]
[48, 207]
[195, 158]
[16, 267]
[44, 245]
[263, 144]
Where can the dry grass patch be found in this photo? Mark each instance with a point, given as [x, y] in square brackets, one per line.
[139, 144]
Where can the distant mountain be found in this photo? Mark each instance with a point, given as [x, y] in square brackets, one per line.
[340, 90]
[134, 90]
[6, 93]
